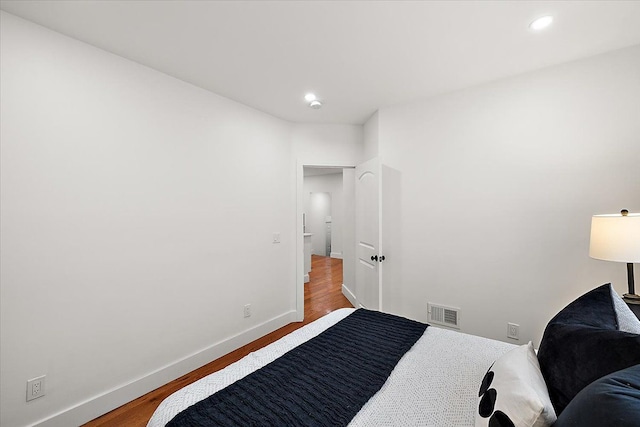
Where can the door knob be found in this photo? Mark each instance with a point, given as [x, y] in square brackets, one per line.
[374, 257]
[381, 258]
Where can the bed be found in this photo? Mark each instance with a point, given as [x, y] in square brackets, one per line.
[446, 378]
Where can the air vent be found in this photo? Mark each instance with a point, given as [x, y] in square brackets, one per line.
[445, 316]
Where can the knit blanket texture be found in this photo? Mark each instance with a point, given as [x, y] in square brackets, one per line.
[322, 382]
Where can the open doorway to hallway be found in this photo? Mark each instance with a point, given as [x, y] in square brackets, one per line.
[326, 203]
[323, 210]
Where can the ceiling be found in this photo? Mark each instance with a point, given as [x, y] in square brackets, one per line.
[356, 56]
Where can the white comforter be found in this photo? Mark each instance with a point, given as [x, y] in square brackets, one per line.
[435, 383]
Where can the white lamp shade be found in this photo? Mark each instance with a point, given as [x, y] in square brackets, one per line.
[615, 238]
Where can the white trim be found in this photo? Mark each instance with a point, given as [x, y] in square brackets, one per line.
[349, 295]
[300, 273]
[101, 404]
[337, 255]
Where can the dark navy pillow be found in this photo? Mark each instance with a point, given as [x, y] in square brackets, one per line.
[582, 343]
[613, 400]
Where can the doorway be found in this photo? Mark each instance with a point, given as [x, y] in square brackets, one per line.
[326, 211]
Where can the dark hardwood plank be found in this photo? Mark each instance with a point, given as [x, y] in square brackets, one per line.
[322, 295]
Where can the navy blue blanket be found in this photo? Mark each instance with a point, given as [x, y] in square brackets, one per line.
[322, 382]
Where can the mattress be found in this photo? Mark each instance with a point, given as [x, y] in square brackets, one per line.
[435, 383]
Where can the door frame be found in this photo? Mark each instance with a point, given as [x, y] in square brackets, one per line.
[299, 232]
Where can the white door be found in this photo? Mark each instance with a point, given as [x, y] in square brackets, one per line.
[368, 234]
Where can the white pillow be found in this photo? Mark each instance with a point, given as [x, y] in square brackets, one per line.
[513, 392]
[627, 321]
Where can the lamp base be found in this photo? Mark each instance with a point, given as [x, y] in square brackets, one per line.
[631, 298]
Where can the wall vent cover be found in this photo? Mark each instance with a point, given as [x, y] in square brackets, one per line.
[442, 315]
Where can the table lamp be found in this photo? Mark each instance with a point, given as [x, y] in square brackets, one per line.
[616, 238]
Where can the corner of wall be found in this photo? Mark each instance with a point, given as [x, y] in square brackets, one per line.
[372, 137]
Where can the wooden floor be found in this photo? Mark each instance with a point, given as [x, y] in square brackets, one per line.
[322, 295]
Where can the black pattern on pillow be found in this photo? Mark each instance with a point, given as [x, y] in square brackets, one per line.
[487, 405]
[487, 399]
[513, 392]
[500, 419]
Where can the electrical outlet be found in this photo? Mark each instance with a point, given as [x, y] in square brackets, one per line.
[513, 331]
[247, 310]
[35, 388]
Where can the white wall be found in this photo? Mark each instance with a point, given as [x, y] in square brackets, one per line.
[499, 186]
[137, 219]
[315, 186]
[327, 145]
[319, 208]
[371, 136]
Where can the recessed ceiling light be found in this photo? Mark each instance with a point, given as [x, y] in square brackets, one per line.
[315, 104]
[310, 97]
[541, 23]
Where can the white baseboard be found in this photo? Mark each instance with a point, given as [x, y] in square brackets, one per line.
[101, 404]
[349, 295]
[306, 278]
[336, 255]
